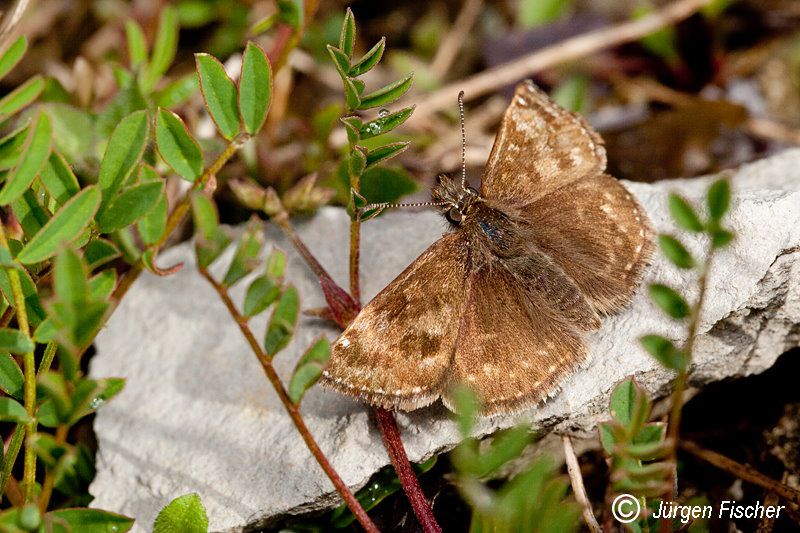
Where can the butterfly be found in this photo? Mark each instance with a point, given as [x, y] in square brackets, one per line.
[532, 261]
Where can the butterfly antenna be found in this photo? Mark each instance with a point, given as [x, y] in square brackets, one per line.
[463, 142]
[387, 205]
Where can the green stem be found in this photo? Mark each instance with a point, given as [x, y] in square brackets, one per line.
[29, 374]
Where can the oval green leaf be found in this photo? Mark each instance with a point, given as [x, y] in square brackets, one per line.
[683, 213]
[669, 301]
[14, 341]
[12, 55]
[387, 95]
[11, 381]
[65, 226]
[12, 411]
[123, 152]
[220, 95]
[59, 180]
[255, 88]
[282, 323]
[675, 251]
[92, 520]
[309, 369]
[184, 514]
[33, 158]
[21, 97]
[130, 205]
[719, 199]
[177, 146]
[261, 293]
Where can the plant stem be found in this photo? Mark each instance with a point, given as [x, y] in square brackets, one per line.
[291, 408]
[744, 472]
[29, 374]
[578, 488]
[355, 257]
[397, 453]
[282, 220]
[50, 479]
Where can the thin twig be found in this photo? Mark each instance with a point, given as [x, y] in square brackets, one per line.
[397, 453]
[743, 472]
[291, 408]
[576, 479]
[567, 50]
[455, 38]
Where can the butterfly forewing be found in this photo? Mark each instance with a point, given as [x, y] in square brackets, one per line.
[396, 351]
[539, 148]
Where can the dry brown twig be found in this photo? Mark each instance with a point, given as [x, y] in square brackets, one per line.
[567, 50]
[455, 38]
[574, 471]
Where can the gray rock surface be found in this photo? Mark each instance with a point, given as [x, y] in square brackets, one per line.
[197, 415]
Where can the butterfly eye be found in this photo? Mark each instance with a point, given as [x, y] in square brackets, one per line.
[453, 216]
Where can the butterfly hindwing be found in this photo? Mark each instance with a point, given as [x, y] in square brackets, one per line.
[397, 350]
[539, 147]
[602, 240]
[511, 350]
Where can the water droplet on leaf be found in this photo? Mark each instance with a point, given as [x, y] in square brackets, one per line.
[383, 113]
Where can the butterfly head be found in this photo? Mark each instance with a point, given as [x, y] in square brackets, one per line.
[454, 198]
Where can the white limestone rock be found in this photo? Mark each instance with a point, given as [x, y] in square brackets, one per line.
[197, 414]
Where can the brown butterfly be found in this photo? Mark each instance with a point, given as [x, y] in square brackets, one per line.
[502, 302]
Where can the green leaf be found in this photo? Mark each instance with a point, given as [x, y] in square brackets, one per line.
[91, 520]
[12, 55]
[380, 184]
[684, 214]
[245, 260]
[347, 38]
[664, 352]
[32, 303]
[99, 252]
[282, 323]
[357, 162]
[292, 12]
[102, 285]
[74, 133]
[65, 226]
[30, 213]
[177, 91]
[276, 265]
[340, 61]
[622, 401]
[52, 385]
[11, 146]
[130, 205]
[571, 93]
[45, 332]
[124, 150]
[669, 301]
[127, 100]
[33, 158]
[153, 224]
[675, 251]
[70, 278]
[220, 95]
[719, 199]
[721, 238]
[137, 45]
[11, 381]
[369, 60]
[255, 88]
[14, 341]
[21, 97]
[12, 411]
[532, 13]
[164, 47]
[261, 293]
[385, 123]
[177, 146]
[211, 241]
[387, 95]
[90, 395]
[351, 94]
[379, 155]
[58, 179]
[184, 514]
[352, 126]
[309, 369]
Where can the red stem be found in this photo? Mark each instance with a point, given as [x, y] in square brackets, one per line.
[397, 453]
